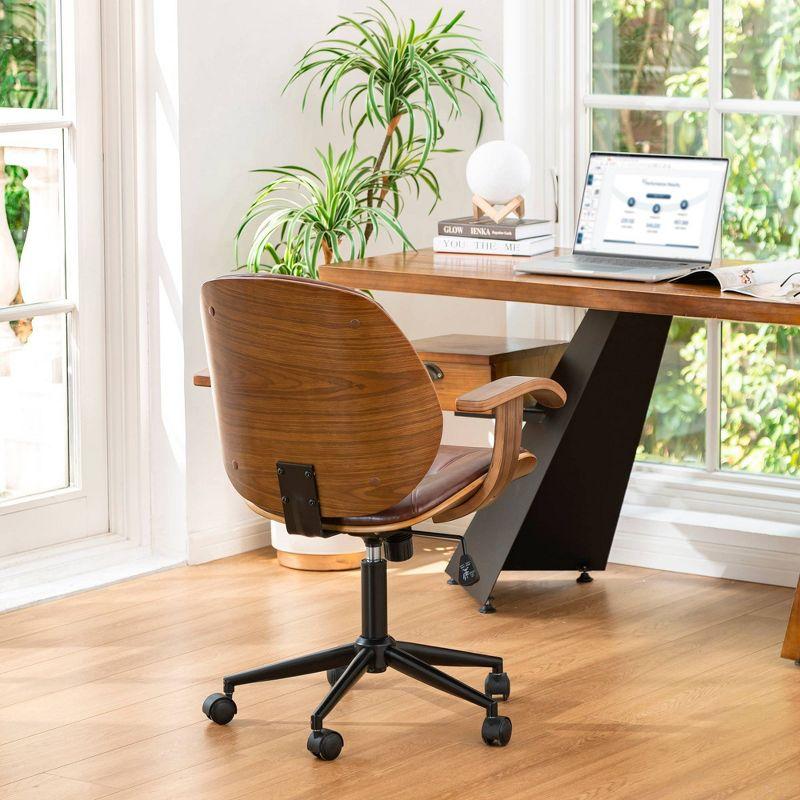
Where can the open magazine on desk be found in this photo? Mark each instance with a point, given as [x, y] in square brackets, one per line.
[766, 280]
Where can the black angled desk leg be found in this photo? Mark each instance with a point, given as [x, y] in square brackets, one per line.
[563, 515]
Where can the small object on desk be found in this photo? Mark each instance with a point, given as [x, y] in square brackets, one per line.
[497, 174]
[777, 280]
[532, 246]
[510, 229]
[627, 230]
[482, 207]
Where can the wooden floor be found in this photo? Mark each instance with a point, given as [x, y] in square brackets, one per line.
[643, 684]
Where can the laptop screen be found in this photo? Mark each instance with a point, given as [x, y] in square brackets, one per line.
[651, 206]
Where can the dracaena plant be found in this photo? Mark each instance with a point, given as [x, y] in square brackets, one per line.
[310, 214]
[384, 74]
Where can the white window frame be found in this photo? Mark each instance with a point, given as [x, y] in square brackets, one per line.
[121, 75]
[550, 118]
[82, 506]
[715, 106]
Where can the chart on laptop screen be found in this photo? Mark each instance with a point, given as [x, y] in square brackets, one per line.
[651, 206]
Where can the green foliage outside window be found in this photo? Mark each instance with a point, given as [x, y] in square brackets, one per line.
[661, 47]
[761, 398]
[675, 431]
[25, 41]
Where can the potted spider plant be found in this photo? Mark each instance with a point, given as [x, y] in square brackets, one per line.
[404, 81]
[304, 216]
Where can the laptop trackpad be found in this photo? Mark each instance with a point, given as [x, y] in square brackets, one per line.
[604, 269]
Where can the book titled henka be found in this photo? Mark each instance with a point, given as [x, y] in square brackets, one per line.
[464, 244]
[485, 228]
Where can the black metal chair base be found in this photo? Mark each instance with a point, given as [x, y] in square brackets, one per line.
[375, 651]
[351, 661]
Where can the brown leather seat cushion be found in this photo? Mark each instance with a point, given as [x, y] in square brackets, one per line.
[452, 469]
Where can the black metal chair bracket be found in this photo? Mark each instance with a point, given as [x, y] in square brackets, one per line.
[298, 486]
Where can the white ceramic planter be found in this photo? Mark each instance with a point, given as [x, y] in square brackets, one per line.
[309, 552]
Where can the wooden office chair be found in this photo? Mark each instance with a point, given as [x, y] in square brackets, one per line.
[330, 423]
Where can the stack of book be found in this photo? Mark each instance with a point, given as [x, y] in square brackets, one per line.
[509, 237]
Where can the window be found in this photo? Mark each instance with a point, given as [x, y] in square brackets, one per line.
[52, 383]
[715, 77]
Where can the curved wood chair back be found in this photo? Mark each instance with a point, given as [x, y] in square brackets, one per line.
[313, 373]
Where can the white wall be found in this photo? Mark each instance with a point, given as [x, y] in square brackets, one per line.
[215, 111]
[420, 315]
[233, 120]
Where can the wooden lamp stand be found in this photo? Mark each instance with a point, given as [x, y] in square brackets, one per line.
[481, 207]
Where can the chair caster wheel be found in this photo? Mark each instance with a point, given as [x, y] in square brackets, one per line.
[219, 708]
[498, 684]
[496, 731]
[334, 675]
[325, 744]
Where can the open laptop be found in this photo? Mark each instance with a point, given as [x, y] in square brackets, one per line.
[643, 218]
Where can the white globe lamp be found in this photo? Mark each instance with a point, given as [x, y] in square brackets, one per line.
[497, 174]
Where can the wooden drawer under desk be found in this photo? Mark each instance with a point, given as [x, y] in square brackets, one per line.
[466, 361]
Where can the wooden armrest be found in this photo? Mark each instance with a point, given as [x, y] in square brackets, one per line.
[505, 397]
[494, 394]
[202, 378]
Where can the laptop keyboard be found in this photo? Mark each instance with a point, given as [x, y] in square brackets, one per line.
[614, 264]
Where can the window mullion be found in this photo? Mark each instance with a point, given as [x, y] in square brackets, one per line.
[43, 123]
[715, 146]
[715, 68]
[32, 310]
[641, 102]
[713, 393]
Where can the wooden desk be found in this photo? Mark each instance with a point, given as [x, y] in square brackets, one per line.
[493, 278]
[564, 514]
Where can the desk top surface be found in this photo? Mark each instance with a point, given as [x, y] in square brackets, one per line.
[494, 278]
